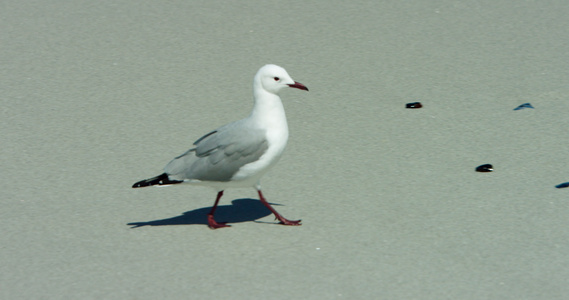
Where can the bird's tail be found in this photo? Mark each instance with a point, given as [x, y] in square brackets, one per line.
[158, 180]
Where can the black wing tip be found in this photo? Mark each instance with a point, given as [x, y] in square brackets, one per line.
[161, 179]
[142, 183]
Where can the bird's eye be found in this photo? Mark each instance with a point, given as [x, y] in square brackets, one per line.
[276, 79]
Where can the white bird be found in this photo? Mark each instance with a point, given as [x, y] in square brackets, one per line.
[239, 153]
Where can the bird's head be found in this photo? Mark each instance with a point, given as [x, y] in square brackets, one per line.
[273, 79]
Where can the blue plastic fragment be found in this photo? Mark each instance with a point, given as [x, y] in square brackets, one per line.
[525, 105]
[562, 185]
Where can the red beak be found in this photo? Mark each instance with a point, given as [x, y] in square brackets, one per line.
[299, 86]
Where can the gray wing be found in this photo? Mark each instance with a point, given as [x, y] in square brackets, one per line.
[219, 154]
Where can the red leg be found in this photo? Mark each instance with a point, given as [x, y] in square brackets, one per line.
[210, 220]
[277, 215]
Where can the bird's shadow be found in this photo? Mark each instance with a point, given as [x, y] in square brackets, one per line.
[240, 210]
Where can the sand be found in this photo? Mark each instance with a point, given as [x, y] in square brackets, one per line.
[98, 95]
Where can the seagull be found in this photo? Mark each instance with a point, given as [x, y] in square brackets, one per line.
[238, 154]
